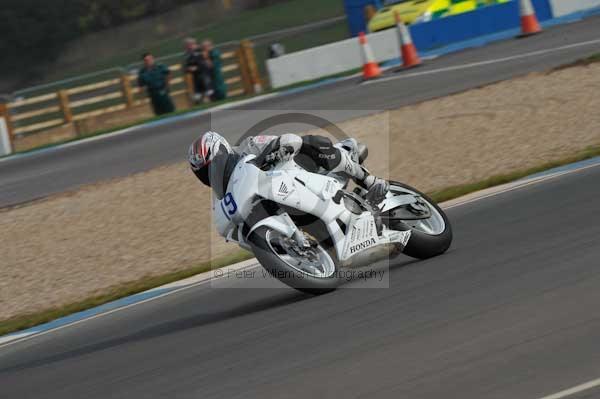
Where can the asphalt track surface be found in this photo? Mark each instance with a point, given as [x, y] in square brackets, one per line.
[511, 311]
[43, 173]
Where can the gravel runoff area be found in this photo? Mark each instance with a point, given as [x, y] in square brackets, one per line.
[74, 245]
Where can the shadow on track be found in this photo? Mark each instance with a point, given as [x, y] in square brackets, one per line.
[286, 298]
[171, 327]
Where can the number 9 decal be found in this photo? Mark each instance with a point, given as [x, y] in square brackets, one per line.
[228, 202]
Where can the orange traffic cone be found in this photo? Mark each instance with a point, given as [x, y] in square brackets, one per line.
[410, 57]
[529, 21]
[370, 68]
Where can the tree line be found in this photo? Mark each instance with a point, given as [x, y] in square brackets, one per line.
[32, 32]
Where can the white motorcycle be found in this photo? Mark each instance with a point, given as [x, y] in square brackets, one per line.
[304, 227]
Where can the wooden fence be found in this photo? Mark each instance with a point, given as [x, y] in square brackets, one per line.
[63, 106]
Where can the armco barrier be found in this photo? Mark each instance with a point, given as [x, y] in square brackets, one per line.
[564, 7]
[345, 55]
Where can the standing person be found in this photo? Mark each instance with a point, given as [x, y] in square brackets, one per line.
[213, 58]
[155, 77]
[195, 64]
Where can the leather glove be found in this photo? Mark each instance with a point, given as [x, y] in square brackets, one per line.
[279, 153]
[377, 190]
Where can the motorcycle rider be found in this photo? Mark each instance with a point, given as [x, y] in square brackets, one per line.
[311, 150]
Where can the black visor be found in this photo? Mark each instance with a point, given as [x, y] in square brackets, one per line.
[202, 175]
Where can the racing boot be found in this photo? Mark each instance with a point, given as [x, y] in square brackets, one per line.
[349, 164]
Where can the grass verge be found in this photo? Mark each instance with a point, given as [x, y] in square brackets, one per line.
[582, 62]
[145, 283]
[458, 191]
[119, 291]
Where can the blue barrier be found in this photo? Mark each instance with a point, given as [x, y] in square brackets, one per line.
[481, 22]
[355, 12]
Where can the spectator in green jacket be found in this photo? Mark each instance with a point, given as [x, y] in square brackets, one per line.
[155, 78]
[213, 58]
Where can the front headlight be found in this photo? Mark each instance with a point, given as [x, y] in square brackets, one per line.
[425, 17]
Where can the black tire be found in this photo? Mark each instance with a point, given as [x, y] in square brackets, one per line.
[422, 245]
[287, 274]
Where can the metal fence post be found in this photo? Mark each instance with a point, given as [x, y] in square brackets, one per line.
[63, 99]
[126, 87]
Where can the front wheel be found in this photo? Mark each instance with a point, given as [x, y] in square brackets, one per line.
[431, 233]
[312, 270]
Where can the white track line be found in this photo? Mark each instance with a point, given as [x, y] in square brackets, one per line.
[482, 63]
[574, 390]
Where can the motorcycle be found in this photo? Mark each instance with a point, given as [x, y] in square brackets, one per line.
[304, 227]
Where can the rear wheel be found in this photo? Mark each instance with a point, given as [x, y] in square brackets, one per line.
[431, 233]
[312, 269]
